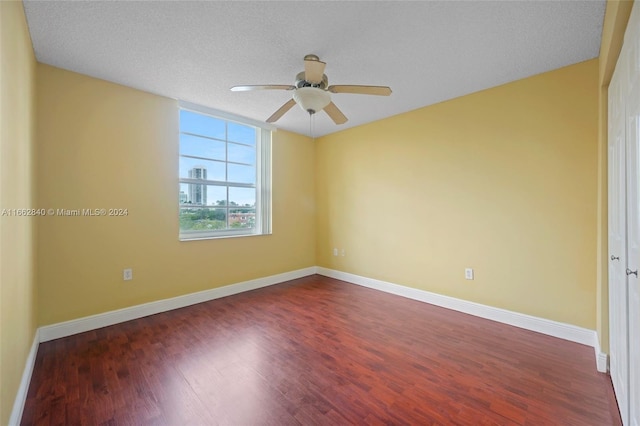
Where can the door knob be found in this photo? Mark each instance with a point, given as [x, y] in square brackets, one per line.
[614, 257]
[629, 272]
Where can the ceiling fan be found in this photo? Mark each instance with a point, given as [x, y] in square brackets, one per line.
[312, 91]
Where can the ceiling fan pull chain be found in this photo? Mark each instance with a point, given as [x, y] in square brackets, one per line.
[311, 125]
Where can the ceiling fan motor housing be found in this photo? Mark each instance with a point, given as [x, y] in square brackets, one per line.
[301, 82]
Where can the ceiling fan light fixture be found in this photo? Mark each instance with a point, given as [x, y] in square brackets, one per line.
[311, 99]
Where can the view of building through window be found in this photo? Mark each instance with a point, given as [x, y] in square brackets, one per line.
[197, 192]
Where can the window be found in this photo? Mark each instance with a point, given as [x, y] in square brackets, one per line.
[224, 175]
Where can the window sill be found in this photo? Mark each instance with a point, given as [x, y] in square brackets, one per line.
[184, 238]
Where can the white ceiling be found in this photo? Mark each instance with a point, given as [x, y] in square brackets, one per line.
[426, 51]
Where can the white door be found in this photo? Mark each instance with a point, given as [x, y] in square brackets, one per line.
[633, 243]
[624, 224]
[618, 290]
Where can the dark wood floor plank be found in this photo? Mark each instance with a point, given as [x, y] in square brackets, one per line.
[316, 351]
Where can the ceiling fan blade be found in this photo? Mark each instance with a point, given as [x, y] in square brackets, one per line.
[313, 70]
[262, 87]
[281, 111]
[336, 115]
[361, 90]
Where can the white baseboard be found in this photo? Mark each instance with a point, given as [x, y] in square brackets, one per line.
[551, 328]
[602, 359]
[80, 325]
[21, 396]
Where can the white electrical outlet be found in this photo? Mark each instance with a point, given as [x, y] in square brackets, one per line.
[127, 274]
[468, 273]
[335, 251]
[342, 252]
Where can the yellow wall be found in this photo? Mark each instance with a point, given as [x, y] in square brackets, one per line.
[503, 181]
[102, 145]
[17, 280]
[615, 23]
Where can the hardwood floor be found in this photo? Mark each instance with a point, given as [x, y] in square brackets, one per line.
[316, 351]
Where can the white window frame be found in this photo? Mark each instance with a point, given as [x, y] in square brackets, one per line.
[263, 178]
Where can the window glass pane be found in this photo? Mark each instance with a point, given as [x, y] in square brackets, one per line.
[183, 194]
[202, 219]
[241, 133]
[216, 195]
[242, 154]
[242, 197]
[242, 218]
[197, 194]
[201, 169]
[241, 174]
[202, 147]
[191, 122]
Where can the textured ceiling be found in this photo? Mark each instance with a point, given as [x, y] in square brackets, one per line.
[426, 51]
